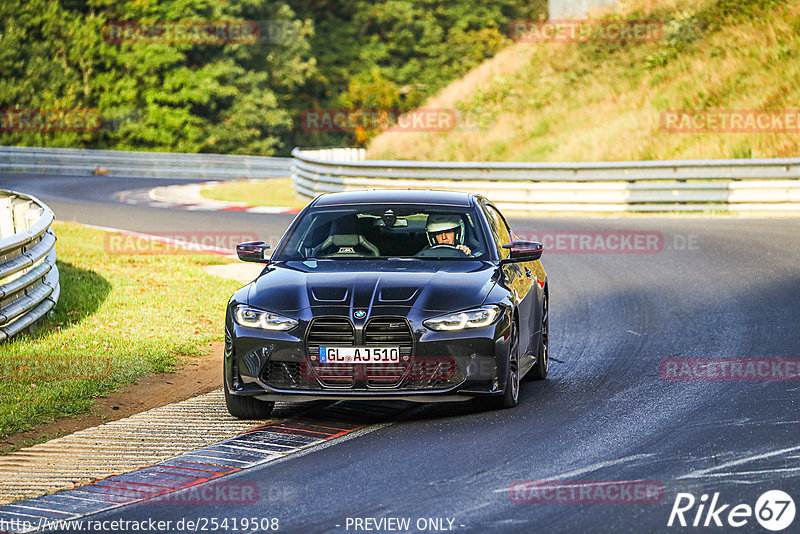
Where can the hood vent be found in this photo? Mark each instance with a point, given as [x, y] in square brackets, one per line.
[397, 294]
[329, 294]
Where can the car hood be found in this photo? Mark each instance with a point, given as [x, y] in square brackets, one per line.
[365, 284]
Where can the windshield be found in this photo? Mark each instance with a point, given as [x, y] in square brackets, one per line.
[386, 231]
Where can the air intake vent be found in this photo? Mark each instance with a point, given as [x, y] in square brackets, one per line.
[283, 374]
[328, 331]
[331, 331]
[389, 331]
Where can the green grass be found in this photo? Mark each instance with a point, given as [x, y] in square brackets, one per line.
[273, 192]
[119, 317]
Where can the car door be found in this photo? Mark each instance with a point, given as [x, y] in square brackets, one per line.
[518, 278]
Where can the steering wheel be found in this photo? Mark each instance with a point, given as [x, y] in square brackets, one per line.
[450, 251]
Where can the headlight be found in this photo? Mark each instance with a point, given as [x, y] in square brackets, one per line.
[483, 316]
[254, 318]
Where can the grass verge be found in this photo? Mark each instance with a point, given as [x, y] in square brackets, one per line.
[273, 192]
[119, 317]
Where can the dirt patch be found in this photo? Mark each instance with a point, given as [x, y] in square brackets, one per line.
[193, 378]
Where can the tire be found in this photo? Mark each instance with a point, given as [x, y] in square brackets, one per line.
[542, 365]
[510, 396]
[243, 407]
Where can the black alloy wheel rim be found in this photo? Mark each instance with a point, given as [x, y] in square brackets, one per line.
[513, 363]
[545, 333]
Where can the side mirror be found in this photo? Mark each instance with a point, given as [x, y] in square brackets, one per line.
[523, 251]
[255, 251]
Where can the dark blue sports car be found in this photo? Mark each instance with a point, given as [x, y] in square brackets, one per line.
[404, 294]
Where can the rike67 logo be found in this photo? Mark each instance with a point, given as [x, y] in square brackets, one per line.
[774, 510]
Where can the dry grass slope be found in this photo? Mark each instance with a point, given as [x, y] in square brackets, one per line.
[603, 101]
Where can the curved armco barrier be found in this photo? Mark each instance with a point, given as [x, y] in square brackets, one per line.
[29, 285]
[683, 185]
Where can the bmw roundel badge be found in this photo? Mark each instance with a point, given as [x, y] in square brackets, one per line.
[360, 314]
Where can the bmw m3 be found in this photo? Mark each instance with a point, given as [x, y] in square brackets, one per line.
[411, 295]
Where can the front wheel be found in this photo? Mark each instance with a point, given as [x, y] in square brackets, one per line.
[510, 396]
[243, 407]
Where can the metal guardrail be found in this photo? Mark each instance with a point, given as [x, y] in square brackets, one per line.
[29, 286]
[681, 185]
[688, 185]
[79, 162]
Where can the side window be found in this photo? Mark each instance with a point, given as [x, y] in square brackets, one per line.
[500, 231]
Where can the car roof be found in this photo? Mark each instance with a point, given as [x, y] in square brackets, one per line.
[395, 196]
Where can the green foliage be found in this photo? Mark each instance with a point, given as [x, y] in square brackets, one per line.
[152, 96]
[393, 54]
[682, 29]
[238, 97]
[687, 26]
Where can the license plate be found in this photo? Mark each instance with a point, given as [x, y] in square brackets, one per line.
[359, 354]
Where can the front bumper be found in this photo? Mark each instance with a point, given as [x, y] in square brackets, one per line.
[437, 367]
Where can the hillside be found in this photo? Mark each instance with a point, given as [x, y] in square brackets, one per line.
[602, 101]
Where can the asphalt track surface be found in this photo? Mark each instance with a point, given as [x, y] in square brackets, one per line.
[715, 288]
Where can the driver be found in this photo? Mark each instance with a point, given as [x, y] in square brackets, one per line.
[446, 230]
